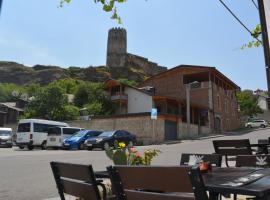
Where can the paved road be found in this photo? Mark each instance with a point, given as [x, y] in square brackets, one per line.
[27, 175]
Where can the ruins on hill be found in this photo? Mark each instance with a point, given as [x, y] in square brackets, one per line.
[117, 55]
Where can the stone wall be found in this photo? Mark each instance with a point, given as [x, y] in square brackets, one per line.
[147, 131]
[184, 133]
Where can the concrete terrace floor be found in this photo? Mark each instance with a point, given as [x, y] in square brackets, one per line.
[27, 175]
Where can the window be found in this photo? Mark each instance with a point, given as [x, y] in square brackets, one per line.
[54, 131]
[42, 128]
[96, 133]
[70, 131]
[24, 127]
[119, 134]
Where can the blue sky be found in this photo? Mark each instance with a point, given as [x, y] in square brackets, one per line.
[169, 32]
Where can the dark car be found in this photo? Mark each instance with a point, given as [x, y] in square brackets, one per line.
[76, 141]
[109, 138]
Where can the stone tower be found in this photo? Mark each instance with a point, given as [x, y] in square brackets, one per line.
[116, 47]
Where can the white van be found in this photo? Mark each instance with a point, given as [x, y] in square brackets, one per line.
[33, 132]
[56, 135]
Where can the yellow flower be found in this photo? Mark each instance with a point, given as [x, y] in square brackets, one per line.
[122, 145]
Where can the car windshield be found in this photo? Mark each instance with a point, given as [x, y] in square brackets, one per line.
[106, 134]
[80, 133]
[5, 133]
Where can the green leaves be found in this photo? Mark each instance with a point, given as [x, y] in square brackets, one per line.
[107, 6]
[248, 103]
[256, 33]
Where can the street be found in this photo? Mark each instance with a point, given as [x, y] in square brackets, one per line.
[27, 175]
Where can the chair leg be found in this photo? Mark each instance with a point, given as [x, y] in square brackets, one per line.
[234, 196]
[226, 160]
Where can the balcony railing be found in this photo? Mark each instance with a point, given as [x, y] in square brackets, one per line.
[119, 97]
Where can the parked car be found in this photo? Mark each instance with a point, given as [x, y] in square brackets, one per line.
[109, 138]
[257, 123]
[77, 140]
[6, 137]
[33, 132]
[56, 135]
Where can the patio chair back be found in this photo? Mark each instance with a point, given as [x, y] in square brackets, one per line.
[157, 182]
[76, 180]
[232, 148]
[213, 159]
[253, 161]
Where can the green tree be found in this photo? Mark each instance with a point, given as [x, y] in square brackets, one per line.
[248, 103]
[82, 96]
[7, 91]
[69, 85]
[94, 98]
[51, 103]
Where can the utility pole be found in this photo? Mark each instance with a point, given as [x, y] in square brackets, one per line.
[188, 107]
[0, 5]
[264, 10]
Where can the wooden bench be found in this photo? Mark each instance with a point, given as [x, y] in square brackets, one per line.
[232, 148]
[157, 183]
[76, 180]
[253, 161]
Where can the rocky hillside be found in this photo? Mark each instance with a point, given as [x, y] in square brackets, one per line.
[11, 72]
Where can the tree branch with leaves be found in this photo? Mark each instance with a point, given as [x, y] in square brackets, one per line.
[107, 6]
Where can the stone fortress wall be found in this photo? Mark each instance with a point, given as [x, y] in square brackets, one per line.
[117, 55]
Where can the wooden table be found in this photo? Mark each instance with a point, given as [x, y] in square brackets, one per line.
[262, 146]
[214, 181]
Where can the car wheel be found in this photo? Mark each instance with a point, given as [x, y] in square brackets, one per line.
[30, 147]
[89, 148]
[249, 126]
[21, 147]
[81, 146]
[44, 145]
[104, 145]
[262, 126]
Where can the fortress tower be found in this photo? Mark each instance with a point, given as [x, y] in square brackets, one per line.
[116, 47]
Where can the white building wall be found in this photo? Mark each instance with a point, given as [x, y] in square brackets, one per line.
[262, 103]
[138, 102]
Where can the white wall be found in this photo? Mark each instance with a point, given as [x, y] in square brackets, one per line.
[138, 101]
[262, 103]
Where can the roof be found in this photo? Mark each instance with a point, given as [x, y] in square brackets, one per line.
[126, 85]
[43, 121]
[12, 105]
[207, 68]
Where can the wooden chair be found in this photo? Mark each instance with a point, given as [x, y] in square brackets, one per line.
[253, 161]
[157, 183]
[232, 148]
[76, 180]
[214, 159]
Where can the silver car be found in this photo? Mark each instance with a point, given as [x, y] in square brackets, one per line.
[6, 137]
[257, 123]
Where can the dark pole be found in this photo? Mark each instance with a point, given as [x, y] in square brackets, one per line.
[266, 44]
[0, 5]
